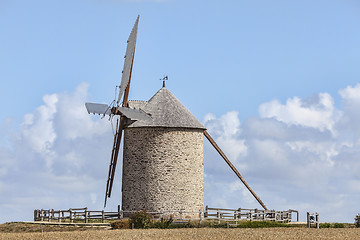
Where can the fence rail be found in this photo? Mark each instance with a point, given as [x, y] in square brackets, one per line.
[243, 214]
[220, 214]
[85, 215]
[312, 218]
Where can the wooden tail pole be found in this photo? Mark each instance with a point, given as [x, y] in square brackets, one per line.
[211, 140]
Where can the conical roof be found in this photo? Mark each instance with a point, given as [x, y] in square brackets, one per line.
[166, 111]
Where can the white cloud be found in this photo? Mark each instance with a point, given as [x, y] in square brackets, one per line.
[351, 95]
[72, 116]
[298, 155]
[225, 131]
[37, 128]
[57, 158]
[318, 112]
[238, 187]
[303, 155]
[351, 103]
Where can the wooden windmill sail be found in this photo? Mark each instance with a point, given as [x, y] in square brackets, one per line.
[120, 109]
[159, 116]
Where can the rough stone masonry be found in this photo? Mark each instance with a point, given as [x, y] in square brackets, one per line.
[163, 169]
[163, 160]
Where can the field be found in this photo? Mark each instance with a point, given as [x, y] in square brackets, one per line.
[191, 233]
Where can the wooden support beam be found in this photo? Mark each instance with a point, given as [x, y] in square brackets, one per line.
[211, 140]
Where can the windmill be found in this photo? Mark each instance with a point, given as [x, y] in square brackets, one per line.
[154, 164]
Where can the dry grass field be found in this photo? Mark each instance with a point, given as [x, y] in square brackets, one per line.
[194, 233]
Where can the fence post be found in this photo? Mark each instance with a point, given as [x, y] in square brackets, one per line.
[206, 212]
[218, 215]
[297, 216]
[50, 214]
[308, 219]
[119, 211]
[317, 220]
[102, 216]
[236, 217]
[71, 215]
[86, 215]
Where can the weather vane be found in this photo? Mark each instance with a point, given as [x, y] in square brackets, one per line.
[164, 79]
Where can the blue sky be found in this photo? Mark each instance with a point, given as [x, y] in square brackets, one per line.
[276, 76]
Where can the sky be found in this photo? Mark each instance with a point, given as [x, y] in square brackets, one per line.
[276, 83]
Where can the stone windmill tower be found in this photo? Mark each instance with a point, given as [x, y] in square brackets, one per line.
[163, 159]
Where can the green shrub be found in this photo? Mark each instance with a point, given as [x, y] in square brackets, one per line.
[187, 224]
[324, 225]
[245, 224]
[123, 224]
[163, 223]
[206, 223]
[261, 224]
[357, 220]
[220, 225]
[338, 225]
[140, 219]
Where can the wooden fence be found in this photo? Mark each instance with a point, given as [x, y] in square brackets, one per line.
[220, 214]
[312, 218]
[242, 214]
[84, 215]
[74, 214]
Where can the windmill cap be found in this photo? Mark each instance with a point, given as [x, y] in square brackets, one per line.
[166, 111]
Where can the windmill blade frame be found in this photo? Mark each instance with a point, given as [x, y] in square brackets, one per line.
[129, 56]
[134, 114]
[124, 89]
[98, 108]
[111, 162]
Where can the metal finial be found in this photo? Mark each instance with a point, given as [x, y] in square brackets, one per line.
[164, 79]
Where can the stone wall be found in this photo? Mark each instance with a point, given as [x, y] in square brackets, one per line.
[163, 169]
